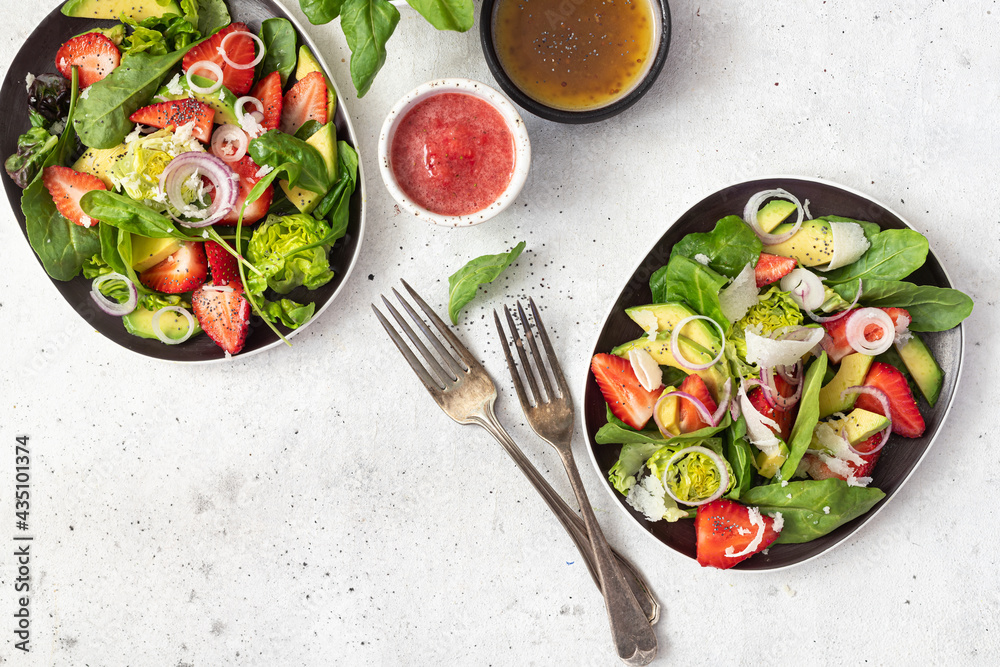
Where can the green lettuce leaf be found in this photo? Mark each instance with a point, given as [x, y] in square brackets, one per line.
[291, 314]
[284, 250]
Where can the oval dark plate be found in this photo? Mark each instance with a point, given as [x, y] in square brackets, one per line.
[901, 455]
[37, 55]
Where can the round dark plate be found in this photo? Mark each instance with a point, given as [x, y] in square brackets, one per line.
[37, 55]
[900, 456]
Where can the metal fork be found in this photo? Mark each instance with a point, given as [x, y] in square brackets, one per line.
[466, 393]
[550, 415]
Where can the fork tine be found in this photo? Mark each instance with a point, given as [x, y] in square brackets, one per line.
[430, 383]
[539, 359]
[429, 359]
[525, 365]
[518, 385]
[553, 360]
[463, 352]
[449, 359]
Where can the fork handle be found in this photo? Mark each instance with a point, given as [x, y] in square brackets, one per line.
[571, 521]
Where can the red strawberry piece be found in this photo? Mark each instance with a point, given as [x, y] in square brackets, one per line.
[690, 418]
[239, 49]
[772, 268]
[628, 400]
[304, 101]
[723, 524]
[224, 267]
[268, 91]
[247, 170]
[817, 467]
[66, 187]
[835, 342]
[174, 114]
[785, 418]
[906, 418]
[185, 270]
[224, 314]
[94, 54]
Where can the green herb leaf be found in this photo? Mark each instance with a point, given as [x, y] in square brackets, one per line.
[683, 279]
[739, 453]
[321, 11]
[729, 247]
[279, 39]
[806, 419]
[932, 308]
[213, 16]
[275, 148]
[368, 25]
[125, 213]
[462, 284]
[291, 314]
[893, 255]
[455, 15]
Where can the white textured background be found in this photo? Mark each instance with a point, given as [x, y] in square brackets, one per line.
[310, 506]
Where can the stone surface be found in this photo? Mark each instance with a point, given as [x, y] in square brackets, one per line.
[311, 506]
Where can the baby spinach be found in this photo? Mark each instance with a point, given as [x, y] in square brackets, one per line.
[213, 16]
[462, 284]
[683, 279]
[367, 25]
[336, 206]
[811, 509]
[321, 11]
[932, 308]
[893, 255]
[455, 15]
[125, 213]
[275, 148]
[109, 248]
[729, 247]
[739, 454]
[806, 419]
[279, 39]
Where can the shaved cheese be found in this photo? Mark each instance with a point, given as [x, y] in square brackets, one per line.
[648, 321]
[702, 259]
[650, 498]
[849, 243]
[858, 481]
[761, 436]
[768, 352]
[755, 520]
[838, 467]
[740, 296]
[779, 520]
[646, 369]
[835, 444]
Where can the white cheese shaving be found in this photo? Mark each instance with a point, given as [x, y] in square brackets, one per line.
[826, 510]
[646, 369]
[768, 352]
[183, 133]
[858, 481]
[174, 86]
[838, 467]
[264, 171]
[702, 259]
[779, 521]
[85, 93]
[755, 520]
[29, 79]
[758, 425]
[86, 221]
[784, 483]
[650, 498]
[835, 444]
[849, 243]
[133, 135]
[740, 296]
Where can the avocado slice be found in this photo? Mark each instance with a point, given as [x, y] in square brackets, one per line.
[307, 63]
[768, 465]
[173, 325]
[222, 100]
[812, 245]
[147, 252]
[859, 425]
[323, 140]
[923, 367]
[666, 316]
[137, 10]
[659, 349]
[668, 411]
[774, 213]
[853, 369]
[98, 161]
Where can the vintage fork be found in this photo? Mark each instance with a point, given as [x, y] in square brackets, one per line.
[550, 415]
[464, 390]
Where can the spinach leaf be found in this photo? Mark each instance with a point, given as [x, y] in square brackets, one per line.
[109, 248]
[368, 25]
[683, 279]
[124, 248]
[336, 206]
[893, 255]
[321, 11]
[805, 513]
[739, 454]
[446, 14]
[806, 419]
[307, 129]
[462, 284]
[279, 39]
[619, 434]
[729, 247]
[212, 16]
[275, 148]
[125, 213]
[932, 308]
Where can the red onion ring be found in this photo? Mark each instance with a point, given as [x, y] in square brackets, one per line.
[155, 324]
[832, 318]
[260, 51]
[706, 416]
[727, 392]
[656, 418]
[753, 206]
[215, 170]
[715, 458]
[204, 65]
[771, 393]
[108, 305]
[229, 134]
[884, 401]
[859, 322]
[676, 350]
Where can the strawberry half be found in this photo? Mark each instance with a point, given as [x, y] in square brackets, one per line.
[690, 418]
[906, 418]
[628, 400]
[268, 91]
[224, 314]
[723, 524]
[247, 170]
[835, 342]
[94, 54]
[772, 268]
[224, 267]
[239, 49]
[185, 270]
[66, 187]
[304, 101]
[784, 418]
[174, 114]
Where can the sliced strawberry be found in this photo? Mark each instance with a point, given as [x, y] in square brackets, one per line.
[628, 400]
[268, 91]
[818, 468]
[785, 418]
[305, 101]
[224, 314]
[906, 418]
[224, 267]
[66, 187]
[772, 268]
[247, 170]
[835, 342]
[177, 113]
[239, 49]
[93, 53]
[690, 418]
[183, 271]
[723, 524]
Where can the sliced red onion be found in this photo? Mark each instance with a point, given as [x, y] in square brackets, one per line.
[155, 323]
[806, 288]
[771, 393]
[208, 66]
[821, 319]
[706, 416]
[727, 392]
[186, 165]
[753, 206]
[716, 459]
[860, 320]
[656, 417]
[676, 351]
[791, 374]
[229, 136]
[261, 50]
[110, 306]
[883, 400]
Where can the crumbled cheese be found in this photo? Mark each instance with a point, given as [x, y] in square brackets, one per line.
[133, 135]
[159, 98]
[86, 221]
[789, 496]
[701, 259]
[251, 126]
[174, 86]
[264, 171]
[742, 531]
[650, 498]
[222, 94]
[838, 467]
[779, 521]
[784, 483]
[85, 93]
[858, 481]
[183, 133]
[790, 591]
[228, 356]
[826, 510]
[835, 444]
[205, 234]
[29, 79]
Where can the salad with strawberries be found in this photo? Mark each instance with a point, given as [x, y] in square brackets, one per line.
[779, 356]
[189, 167]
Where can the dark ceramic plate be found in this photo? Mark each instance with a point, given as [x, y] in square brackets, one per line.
[900, 456]
[37, 56]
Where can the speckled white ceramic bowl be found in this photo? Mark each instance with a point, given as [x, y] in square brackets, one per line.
[522, 149]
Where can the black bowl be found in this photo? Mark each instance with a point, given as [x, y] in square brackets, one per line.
[900, 455]
[559, 115]
[37, 55]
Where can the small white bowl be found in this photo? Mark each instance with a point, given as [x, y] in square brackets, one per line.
[522, 149]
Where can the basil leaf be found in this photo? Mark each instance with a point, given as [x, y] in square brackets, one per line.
[275, 148]
[279, 40]
[729, 247]
[212, 16]
[446, 14]
[932, 308]
[321, 11]
[893, 255]
[806, 419]
[462, 284]
[368, 25]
